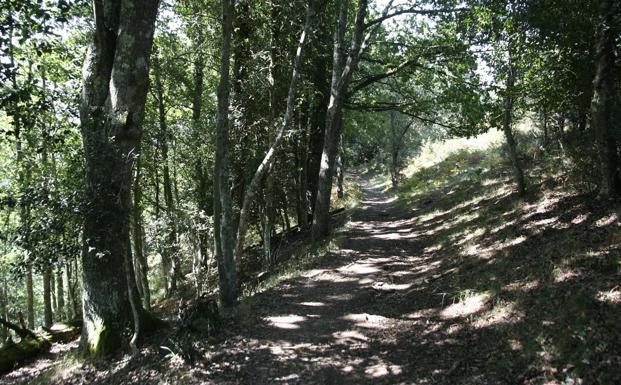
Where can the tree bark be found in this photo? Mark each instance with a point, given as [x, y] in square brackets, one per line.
[115, 78]
[302, 177]
[53, 293]
[223, 210]
[47, 297]
[60, 294]
[30, 298]
[170, 257]
[341, 75]
[70, 300]
[340, 169]
[141, 266]
[604, 123]
[4, 299]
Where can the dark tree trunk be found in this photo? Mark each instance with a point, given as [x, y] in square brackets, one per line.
[60, 294]
[223, 210]
[30, 298]
[302, 177]
[170, 257]
[4, 315]
[47, 297]
[342, 71]
[202, 178]
[141, 265]
[115, 78]
[604, 123]
[340, 169]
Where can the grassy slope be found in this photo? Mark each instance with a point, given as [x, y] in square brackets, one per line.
[532, 286]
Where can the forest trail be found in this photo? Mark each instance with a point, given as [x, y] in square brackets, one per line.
[347, 321]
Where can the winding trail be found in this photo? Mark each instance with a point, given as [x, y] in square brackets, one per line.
[342, 323]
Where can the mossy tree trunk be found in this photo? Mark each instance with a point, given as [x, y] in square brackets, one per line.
[115, 78]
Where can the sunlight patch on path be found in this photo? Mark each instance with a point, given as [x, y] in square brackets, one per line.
[366, 320]
[286, 322]
[468, 306]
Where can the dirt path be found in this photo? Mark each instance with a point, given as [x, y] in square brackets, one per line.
[341, 323]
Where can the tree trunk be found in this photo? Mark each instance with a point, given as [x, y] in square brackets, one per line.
[170, 254]
[340, 170]
[268, 191]
[53, 293]
[30, 298]
[341, 75]
[604, 123]
[115, 78]
[518, 174]
[223, 210]
[4, 299]
[266, 163]
[302, 177]
[203, 182]
[71, 314]
[60, 295]
[47, 300]
[141, 265]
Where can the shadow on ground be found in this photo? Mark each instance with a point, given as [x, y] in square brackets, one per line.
[466, 285]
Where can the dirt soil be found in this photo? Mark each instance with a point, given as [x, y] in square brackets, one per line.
[468, 285]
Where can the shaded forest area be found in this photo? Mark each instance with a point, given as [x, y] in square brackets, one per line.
[310, 191]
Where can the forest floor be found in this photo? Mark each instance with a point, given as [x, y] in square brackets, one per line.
[465, 284]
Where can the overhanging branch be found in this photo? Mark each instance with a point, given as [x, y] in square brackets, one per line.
[413, 11]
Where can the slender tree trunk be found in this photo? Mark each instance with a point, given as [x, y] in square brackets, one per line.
[341, 75]
[170, 257]
[141, 265]
[30, 298]
[53, 293]
[60, 294]
[285, 210]
[75, 304]
[203, 182]
[604, 122]
[223, 210]
[115, 78]
[518, 173]
[70, 300]
[4, 299]
[546, 135]
[340, 170]
[268, 191]
[269, 156]
[302, 182]
[47, 297]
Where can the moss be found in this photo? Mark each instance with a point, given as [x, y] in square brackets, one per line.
[101, 340]
[13, 354]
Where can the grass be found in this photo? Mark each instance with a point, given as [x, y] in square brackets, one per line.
[534, 282]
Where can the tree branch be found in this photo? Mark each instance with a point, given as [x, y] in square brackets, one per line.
[413, 11]
[375, 78]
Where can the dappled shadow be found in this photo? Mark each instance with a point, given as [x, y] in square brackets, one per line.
[475, 286]
[465, 285]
